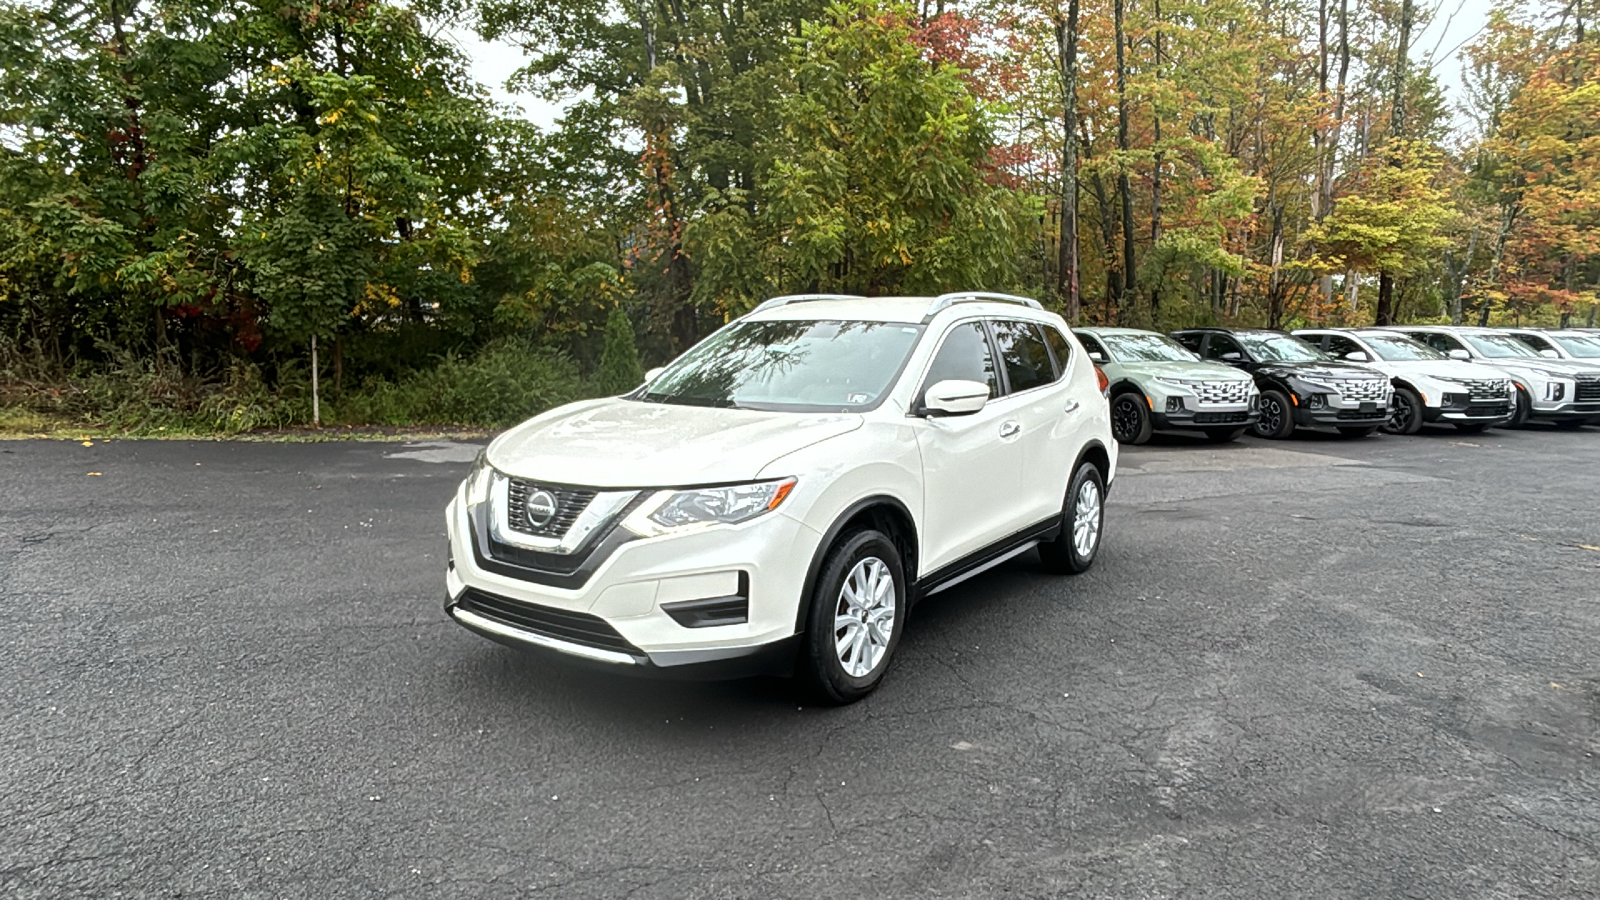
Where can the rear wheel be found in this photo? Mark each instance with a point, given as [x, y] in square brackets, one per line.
[1358, 432]
[1223, 435]
[1082, 518]
[1130, 418]
[1405, 413]
[858, 612]
[1277, 421]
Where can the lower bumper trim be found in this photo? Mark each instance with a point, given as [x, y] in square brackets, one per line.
[499, 631]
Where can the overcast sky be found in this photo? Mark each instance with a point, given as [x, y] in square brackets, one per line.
[1455, 23]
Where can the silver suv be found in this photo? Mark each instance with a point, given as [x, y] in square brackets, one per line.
[1157, 384]
[1548, 390]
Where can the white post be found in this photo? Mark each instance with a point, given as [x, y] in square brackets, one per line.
[316, 400]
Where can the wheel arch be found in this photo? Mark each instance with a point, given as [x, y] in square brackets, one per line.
[880, 512]
[1094, 452]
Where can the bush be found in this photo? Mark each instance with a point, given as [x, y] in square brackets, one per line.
[620, 370]
[505, 382]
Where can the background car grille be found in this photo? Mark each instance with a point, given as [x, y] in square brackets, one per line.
[1588, 387]
[570, 503]
[1222, 391]
[561, 624]
[1221, 418]
[1487, 389]
[1362, 388]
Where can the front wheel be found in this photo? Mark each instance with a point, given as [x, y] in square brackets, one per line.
[858, 611]
[1405, 413]
[1522, 411]
[1082, 518]
[1277, 421]
[1130, 418]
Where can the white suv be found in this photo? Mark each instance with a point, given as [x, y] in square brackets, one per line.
[1428, 386]
[781, 495]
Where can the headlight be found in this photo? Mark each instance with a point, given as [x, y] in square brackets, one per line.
[1183, 383]
[673, 510]
[479, 479]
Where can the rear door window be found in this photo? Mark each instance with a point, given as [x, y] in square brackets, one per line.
[1024, 354]
[1060, 347]
[964, 356]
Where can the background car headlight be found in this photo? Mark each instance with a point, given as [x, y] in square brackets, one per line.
[728, 505]
[479, 479]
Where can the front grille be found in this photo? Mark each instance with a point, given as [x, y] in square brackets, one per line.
[1362, 389]
[1222, 391]
[1221, 418]
[1487, 389]
[1375, 415]
[1588, 388]
[570, 503]
[561, 624]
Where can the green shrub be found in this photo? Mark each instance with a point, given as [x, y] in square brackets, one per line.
[620, 370]
[507, 381]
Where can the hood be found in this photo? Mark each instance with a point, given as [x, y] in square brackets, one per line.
[1313, 371]
[1446, 368]
[1550, 368]
[1199, 370]
[627, 443]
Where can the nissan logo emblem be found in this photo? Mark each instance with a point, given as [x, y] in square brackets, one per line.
[541, 508]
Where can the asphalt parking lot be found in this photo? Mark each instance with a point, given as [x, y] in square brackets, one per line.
[1314, 668]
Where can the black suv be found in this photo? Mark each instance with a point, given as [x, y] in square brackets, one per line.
[1300, 385]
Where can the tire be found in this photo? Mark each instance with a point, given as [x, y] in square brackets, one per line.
[1358, 432]
[1277, 417]
[1405, 415]
[1224, 435]
[1083, 515]
[858, 560]
[1472, 427]
[1130, 418]
[1521, 411]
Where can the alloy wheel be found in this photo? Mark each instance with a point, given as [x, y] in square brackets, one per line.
[1401, 414]
[863, 620]
[1271, 416]
[1125, 418]
[1086, 519]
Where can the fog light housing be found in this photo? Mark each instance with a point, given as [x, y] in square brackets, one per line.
[1174, 404]
[1317, 401]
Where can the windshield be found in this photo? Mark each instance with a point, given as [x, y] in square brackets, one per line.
[794, 366]
[1146, 348]
[1266, 347]
[1394, 348]
[1581, 347]
[1498, 346]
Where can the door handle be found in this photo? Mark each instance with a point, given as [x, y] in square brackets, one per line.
[1009, 429]
[1072, 406]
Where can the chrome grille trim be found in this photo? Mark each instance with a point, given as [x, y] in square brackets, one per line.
[1362, 389]
[580, 512]
[1230, 392]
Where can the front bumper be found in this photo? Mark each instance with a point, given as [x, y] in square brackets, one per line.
[1239, 415]
[1559, 412]
[1470, 411]
[1336, 417]
[621, 614]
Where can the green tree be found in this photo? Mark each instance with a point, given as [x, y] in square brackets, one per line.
[619, 370]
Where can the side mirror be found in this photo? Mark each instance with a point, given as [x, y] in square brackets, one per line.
[955, 397]
[1549, 354]
[1460, 354]
[1358, 356]
[651, 374]
[1232, 356]
[1097, 356]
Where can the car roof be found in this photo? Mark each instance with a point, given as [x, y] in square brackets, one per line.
[1221, 330]
[908, 310]
[1107, 329]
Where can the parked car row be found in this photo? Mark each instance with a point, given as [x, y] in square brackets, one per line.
[781, 496]
[1222, 381]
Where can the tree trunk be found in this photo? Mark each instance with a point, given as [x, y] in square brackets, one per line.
[316, 397]
[1067, 250]
[1124, 188]
[1275, 284]
[1155, 180]
[1384, 315]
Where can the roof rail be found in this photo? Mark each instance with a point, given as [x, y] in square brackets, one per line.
[787, 299]
[945, 301]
